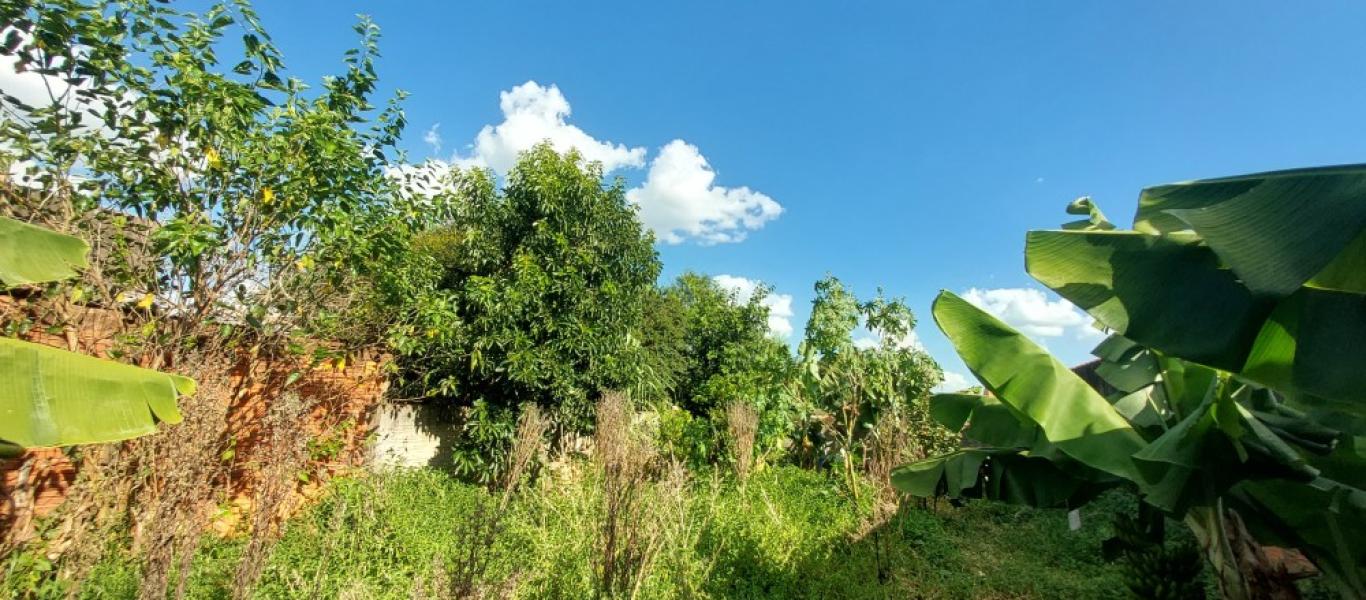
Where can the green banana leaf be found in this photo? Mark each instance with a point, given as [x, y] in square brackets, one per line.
[1071, 415]
[51, 397]
[989, 422]
[1275, 230]
[1000, 474]
[30, 254]
[1166, 294]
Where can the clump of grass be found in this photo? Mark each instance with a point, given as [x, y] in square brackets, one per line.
[627, 536]
[742, 421]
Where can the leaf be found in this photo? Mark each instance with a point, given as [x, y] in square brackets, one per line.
[999, 474]
[1283, 228]
[30, 254]
[1165, 294]
[51, 397]
[1072, 416]
[953, 410]
[1095, 220]
[989, 422]
[1311, 345]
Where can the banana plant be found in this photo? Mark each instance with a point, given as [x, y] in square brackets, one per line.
[50, 397]
[1238, 306]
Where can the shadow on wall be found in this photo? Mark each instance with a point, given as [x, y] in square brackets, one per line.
[414, 434]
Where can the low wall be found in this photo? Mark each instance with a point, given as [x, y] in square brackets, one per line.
[344, 400]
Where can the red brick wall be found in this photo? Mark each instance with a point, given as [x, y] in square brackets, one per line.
[339, 392]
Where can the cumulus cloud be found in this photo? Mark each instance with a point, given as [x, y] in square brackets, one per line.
[30, 88]
[779, 305]
[1032, 313]
[953, 382]
[680, 200]
[533, 113]
[433, 137]
[866, 338]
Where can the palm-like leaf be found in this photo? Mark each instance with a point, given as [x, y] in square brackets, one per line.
[30, 254]
[51, 397]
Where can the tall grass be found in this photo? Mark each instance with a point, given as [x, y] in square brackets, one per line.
[788, 533]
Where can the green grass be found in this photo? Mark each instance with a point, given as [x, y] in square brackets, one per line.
[788, 533]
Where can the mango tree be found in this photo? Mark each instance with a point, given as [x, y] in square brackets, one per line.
[1238, 306]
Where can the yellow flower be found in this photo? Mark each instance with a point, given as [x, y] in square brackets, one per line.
[267, 195]
[146, 301]
[304, 263]
[213, 158]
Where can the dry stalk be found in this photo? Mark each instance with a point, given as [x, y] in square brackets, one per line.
[479, 532]
[743, 423]
[627, 538]
[284, 454]
[185, 478]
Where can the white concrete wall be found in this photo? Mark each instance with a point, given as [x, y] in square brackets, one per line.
[410, 435]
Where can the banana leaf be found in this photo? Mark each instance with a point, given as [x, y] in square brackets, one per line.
[988, 421]
[1163, 293]
[51, 397]
[30, 254]
[1001, 474]
[1072, 416]
[1276, 230]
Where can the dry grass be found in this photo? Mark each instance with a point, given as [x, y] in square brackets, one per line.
[629, 534]
[284, 455]
[478, 533]
[742, 421]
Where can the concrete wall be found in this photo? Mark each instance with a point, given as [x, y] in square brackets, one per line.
[411, 435]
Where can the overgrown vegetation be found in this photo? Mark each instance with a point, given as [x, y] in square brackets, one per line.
[618, 437]
[790, 533]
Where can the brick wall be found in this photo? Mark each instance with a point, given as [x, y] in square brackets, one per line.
[344, 398]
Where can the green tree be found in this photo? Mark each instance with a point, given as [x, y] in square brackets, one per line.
[535, 292]
[713, 348]
[851, 385]
[213, 187]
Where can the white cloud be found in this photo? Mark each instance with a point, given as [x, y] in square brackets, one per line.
[533, 113]
[1032, 313]
[433, 137]
[953, 382]
[779, 305]
[866, 338]
[679, 200]
[29, 87]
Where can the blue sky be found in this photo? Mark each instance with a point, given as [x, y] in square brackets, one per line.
[909, 145]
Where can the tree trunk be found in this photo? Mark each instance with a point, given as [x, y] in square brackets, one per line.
[1241, 566]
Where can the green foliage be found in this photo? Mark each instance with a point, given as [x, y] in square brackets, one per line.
[1230, 368]
[223, 194]
[708, 349]
[851, 386]
[532, 293]
[790, 533]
